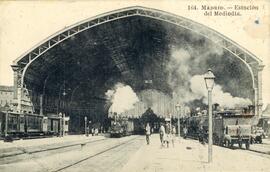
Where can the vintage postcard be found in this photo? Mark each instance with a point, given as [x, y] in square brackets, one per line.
[136, 85]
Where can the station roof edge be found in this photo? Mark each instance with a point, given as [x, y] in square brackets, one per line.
[253, 56]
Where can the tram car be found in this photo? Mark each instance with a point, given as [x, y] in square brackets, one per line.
[229, 127]
[26, 124]
[121, 127]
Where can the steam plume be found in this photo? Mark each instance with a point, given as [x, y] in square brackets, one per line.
[224, 99]
[185, 68]
[122, 98]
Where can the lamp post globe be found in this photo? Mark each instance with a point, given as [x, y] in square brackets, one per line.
[209, 78]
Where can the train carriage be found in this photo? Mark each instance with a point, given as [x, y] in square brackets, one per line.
[33, 123]
[14, 124]
[11, 123]
[229, 128]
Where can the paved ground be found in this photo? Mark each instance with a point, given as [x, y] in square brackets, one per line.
[110, 161]
[264, 147]
[45, 141]
[20, 149]
[128, 154]
[189, 155]
[100, 155]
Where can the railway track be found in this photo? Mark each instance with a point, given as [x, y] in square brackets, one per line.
[266, 154]
[24, 151]
[97, 154]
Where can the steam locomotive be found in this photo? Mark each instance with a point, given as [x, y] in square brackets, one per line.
[121, 127]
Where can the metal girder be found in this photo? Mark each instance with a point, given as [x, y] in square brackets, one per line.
[19, 72]
[23, 62]
[136, 11]
[200, 29]
[113, 45]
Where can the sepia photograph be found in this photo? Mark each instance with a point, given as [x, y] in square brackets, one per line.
[134, 86]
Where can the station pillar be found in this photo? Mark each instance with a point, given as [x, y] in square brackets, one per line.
[41, 105]
[259, 92]
[17, 87]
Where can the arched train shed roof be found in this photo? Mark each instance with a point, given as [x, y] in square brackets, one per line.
[251, 61]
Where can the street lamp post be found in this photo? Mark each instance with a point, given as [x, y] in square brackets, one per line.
[178, 108]
[63, 124]
[209, 82]
[170, 123]
[85, 125]
[6, 124]
[59, 96]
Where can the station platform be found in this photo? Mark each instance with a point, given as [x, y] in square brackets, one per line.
[34, 145]
[190, 155]
[104, 154]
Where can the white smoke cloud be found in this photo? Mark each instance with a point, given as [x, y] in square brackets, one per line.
[224, 99]
[122, 97]
[188, 87]
[178, 67]
[161, 104]
[184, 69]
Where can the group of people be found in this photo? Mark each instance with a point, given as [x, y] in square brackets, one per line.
[94, 131]
[166, 133]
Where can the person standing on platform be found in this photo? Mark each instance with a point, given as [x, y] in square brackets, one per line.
[87, 131]
[185, 132]
[167, 136]
[93, 131]
[161, 134]
[173, 135]
[96, 131]
[201, 135]
[147, 133]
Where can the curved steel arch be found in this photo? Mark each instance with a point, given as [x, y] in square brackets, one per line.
[253, 63]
